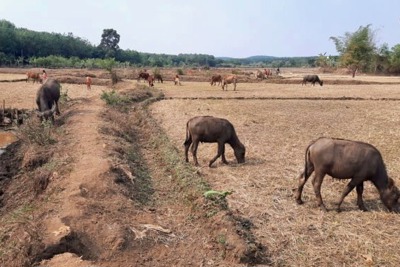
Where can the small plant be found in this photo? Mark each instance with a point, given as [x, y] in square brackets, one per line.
[38, 133]
[180, 72]
[114, 99]
[64, 96]
[114, 77]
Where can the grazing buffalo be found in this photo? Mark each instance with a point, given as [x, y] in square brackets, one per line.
[228, 80]
[216, 79]
[150, 80]
[34, 76]
[158, 77]
[344, 159]
[47, 99]
[312, 79]
[143, 75]
[209, 129]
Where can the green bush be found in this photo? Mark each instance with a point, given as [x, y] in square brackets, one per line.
[180, 72]
[114, 99]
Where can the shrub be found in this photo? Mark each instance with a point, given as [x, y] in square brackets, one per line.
[114, 99]
[180, 72]
[37, 133]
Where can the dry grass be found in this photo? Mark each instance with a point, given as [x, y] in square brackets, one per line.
[276, 133]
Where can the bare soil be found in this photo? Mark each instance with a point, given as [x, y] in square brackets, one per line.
[113, 190]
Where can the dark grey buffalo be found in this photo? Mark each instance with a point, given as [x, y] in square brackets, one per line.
[210, 129]
[312, 79]
[345, 159]
[47, 99]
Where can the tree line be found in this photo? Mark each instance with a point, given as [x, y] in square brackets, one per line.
[357, 51]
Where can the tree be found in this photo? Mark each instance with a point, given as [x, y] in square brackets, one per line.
[109, 42]
[356, 49]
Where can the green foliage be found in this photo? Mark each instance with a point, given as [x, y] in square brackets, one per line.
[37, 133]
[180, 72]
[395, 59]
[213, 194]
[109, 42]
[64, 97]
[114, 99]
[357, 50]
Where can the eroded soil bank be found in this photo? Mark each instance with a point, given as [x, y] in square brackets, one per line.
[109, 189]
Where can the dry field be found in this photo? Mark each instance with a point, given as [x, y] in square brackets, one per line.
[276, 133]
[276, 122]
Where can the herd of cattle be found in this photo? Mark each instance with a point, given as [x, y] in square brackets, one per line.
[339, 158]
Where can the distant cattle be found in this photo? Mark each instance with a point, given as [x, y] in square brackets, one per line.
[158, 77]
[143, 75]
[346, 159]
[150, 80]
[47, 99]
[268, 72]
[35, 76]
[260, 75]
[228, 80]
[177, 81]
[312, 79]
[216, 79]
[208, 129]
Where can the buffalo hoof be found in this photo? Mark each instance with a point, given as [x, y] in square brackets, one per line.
[323, 208]
[299, 201]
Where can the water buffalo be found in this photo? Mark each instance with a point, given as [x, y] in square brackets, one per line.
[210, 129]
[158, 77]
[312, 79]
[47, 99]
[228, 80]
[345, 159]
[216, 79]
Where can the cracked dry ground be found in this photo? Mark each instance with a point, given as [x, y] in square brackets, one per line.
[110, 199]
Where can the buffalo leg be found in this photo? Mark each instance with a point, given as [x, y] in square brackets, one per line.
[350, 186]
[360, 202]
[303, 177]
[187, 145]
[221, 151]
[57, 109]
[194, 151]
[317, 182]
[223, 155]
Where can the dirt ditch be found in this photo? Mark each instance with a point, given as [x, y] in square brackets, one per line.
[111, 190]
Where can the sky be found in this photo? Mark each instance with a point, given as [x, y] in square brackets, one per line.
[231, 28]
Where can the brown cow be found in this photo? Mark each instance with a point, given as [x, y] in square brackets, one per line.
[268, 72]
[260, 75]
[150, 80]
[216, 79]
[143, 75]
[228, 80]
[208, 129]
[35, 76]
[345, 159]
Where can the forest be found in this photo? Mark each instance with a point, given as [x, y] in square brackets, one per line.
[20, 47]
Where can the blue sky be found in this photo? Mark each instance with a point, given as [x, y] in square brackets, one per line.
[216, 27]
